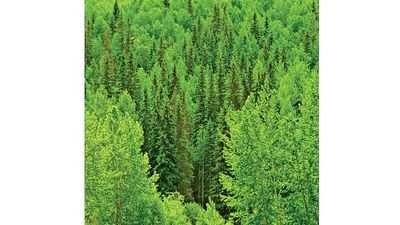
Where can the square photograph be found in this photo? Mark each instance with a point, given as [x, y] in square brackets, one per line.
[201, 112]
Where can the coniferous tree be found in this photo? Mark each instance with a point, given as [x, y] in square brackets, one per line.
[167, 156]
[266, 25]
[182, 140]
[197, 33]
[216, 30]
[221, 81]
[265, 52]
[201, 97]
[145, 118]
[166, 3]
[88, 43]
[174, 85]
[307, 42]
[190, 7]
[115, 17]
[235, 89]
[153, 57]
[120, 58]
[127, 81]
[314, 10]
[254, 27]
[228, 108]
[284, 58]
[190, 61]
[109, 77]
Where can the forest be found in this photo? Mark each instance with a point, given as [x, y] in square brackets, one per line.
[201, 112]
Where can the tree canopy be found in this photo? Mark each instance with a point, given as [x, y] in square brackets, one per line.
[201, 112]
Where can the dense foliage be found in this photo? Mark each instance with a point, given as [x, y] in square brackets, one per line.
[201, 112]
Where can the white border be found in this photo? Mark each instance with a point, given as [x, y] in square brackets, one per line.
[359, 112]
[41, 106]
[41, 121]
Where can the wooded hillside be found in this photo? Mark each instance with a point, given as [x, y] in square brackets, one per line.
[201, 112]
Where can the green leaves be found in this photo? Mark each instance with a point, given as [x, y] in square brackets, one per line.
[268, 153]
[116, 173]
[217, 99]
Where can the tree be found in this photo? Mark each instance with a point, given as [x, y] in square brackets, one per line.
[88, 43]
[174, 210]
[166, 3]
[182, 142]
[266, 25]
[166, 158]
[110, 81]
[190, 7]
[115, 17]
[235, 89]
[201, 98]
[254, 27]
[267, 182]
[117, 187]
[228, 108]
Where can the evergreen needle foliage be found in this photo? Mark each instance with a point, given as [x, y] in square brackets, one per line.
[201, 112]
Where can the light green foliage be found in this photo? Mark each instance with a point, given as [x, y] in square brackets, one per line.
[211, 104]
[273, 156]
[210, 216]
[118, 190]
[174, 211]
[200, 216]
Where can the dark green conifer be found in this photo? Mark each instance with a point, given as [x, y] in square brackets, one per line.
[254, 27]
[88, 43]
[182, 140]
[166, 3]
[235, 91]
[115, 17]
[190, 7]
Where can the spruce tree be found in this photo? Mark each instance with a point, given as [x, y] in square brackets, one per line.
[235, 91]
[254, 28]
[307, 42]
[201, 99]
[109, 76]
[88, 43]
[166, 158]
[190, 61]
[166, 3]
[221, 81]
[216, 30]
[115, 17]
[120, 59]
[174, 85]
[190, 7]
[266, 25]
[228, 108]
[126, 81]
[182, 142]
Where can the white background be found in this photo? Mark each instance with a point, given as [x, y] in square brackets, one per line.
[41, 112]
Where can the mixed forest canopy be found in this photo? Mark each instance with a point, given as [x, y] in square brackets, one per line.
[201, 112]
